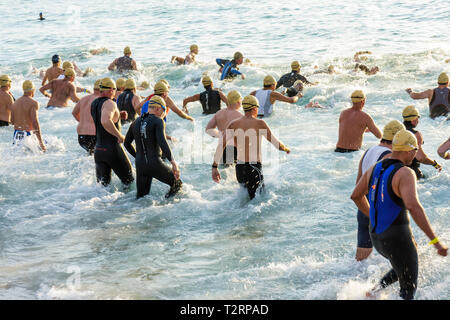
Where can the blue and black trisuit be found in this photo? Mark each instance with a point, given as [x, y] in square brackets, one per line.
[229, 68]
[390, 230]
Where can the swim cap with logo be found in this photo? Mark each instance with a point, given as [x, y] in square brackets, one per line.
[127, 50]
[130, 84]
[5, 80]
[250, 102]
[358, 96]
[237, 55]
[160, 88]
[28, 86]
[97, 84]
[69, 72]
[391, 128]
[120, 83]
[410, 113]
[56, 58]
[107, 84]
[404, 140]
[145, 84]
[295, 65]
[269, 80]
[233, 97]
[194, 47]
[67, 64]
[206, 81]
[443, 78]
[157, 101]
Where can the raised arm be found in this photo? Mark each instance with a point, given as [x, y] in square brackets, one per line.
[223, 97]
[275, 95]
[193, 98]
[175, 109]
[427, 94]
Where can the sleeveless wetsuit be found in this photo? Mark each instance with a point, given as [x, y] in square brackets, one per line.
[370, 157]
[124, 64]
[125, 103]
[250, 176]
[108, 153]
[210, 100]
[265, 107]
[151, 144]
[440, 103]
[390, 230]
[415, 165]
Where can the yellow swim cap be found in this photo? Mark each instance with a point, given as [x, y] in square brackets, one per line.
[410, 113]
[165, 82]
[194, 47]
[107, 84]
[358, 96]
[28, 86]
[157, 101]
[67, 64]
[295, 65]
[443, 78]
[404, 140]
[160, 88]
[127, 50]
[391, 128]
[120, 83]
[269, 80]
[237, 55]
[97, 84]
[206, 81]
[130, 84]
[5, 80]
[69, 72]
[250, 102]
[145, 84]
[233, 97]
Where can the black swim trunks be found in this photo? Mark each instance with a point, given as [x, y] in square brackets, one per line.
[250, 176]
[342, 150]
[87, 142]
[4, 123]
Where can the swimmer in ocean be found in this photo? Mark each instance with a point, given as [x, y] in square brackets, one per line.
[287, 80]
[210, 98]
[391, 189]
[24, 116]
[443, 150]
[41, 16]
[109, 154]
[246, 133]
[6, 100]
[361, 67]
[62, 90]
[54, 71]
[148, 132]
[120, 85]
[229, 68]
[190, 58]
[124, 63]
[129, 101]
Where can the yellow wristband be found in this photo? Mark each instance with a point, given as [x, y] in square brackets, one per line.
[435, 240]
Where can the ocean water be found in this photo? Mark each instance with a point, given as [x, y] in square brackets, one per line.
[62, 236]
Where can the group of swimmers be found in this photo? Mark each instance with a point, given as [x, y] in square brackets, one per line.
[393, 163]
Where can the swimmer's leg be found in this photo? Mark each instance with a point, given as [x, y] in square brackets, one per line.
[122, 167]
[143, 184]
[103, 173]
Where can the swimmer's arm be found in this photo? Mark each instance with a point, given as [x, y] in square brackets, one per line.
[359, 193]
[360, 168]
[43, 89]
[373, 128]
[133, 64]
[193, 98]
[45, 78]
[136, 102]
[235, 71]
[175, 109]
[420, 95]
[129, 138]
[221, 62]
[223, 97]
[76, 111]
[112, 66]
[267, 133]
[421, 155]
[73, 94]
[275, 95]
[142, 103]
[211, 128]
[442, 150]
[162, 140]
[108, 111]
[35, 123]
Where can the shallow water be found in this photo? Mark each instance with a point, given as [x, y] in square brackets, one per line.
[62, 236]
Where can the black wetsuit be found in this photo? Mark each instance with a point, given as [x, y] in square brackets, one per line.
[291, 91]
[415, 165]
[124, 64]
[151, 144]
[109, 154]
[250, 176]
[87, 142]
[210, 100]
[390, 231]
[287, 80]
[125, 103]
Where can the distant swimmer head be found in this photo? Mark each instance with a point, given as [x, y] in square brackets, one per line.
[69, 73]
[67, 65]
[391, 128]
[404, 140]
[269, 81]
[160, 88]
[157, 102]
[107, 84]
[194, 48]
[56, 58]
[358, 96]
[130, 84]
[331, 69]
[127, 50]
[238, 57]
[233, 97]
[145, 84]
[295, 66]
[207, 81]
[249, 103]
[97, 84]
[410, 113]
[120, 83]
[443, 78]
[28, 86]
[5, 80]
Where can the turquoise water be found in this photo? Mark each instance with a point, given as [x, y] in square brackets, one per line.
[62, 236]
